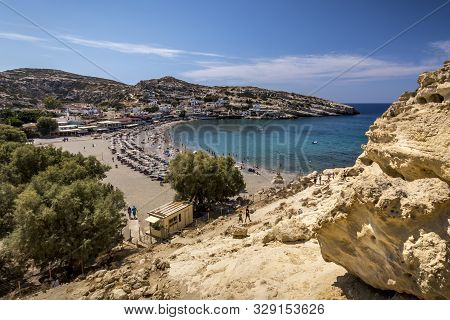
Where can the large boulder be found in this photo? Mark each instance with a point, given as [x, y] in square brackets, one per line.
[239, 232]
[390, 226]
[288, 230]
[119, 294]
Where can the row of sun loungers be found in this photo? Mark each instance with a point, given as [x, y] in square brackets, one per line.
[130, 152]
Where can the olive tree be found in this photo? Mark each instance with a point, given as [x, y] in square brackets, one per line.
[54, 207]
[46, 125]
[69, 224]
[204, 179]
[51, 102]
[12, 134]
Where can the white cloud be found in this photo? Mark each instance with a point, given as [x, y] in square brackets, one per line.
[306, 68]
[42, 42]
[442, 45]
[125, 47]
[19, 37]
[122, 47]
[56, 48]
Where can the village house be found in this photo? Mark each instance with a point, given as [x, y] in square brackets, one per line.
[112, 114]
[194, 102]
[152, 103]
[165, 108]
[210, 105]
[264, 111]
[109, 125]
[169, 219]
[82, 109]
[136, 111]
[220, 102]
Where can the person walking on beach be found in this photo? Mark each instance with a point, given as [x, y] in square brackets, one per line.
[134, 211]
[315, 180]
[247, 214]
[320, 179]
[129, 213]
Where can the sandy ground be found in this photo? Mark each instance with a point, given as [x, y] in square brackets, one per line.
[138, 189]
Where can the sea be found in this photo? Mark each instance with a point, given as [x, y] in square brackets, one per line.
[299, 146]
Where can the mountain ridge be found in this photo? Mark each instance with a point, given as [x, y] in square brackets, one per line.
[27, 87]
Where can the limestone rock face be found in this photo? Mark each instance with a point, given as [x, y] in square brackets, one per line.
[289, 230]
[390, 225]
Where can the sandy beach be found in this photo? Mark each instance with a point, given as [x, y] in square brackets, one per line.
[138, 189]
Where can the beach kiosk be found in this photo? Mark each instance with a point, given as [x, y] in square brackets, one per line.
[169, 218]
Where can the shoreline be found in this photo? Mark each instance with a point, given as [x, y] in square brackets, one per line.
[171, 125]
[138, 188]
[262, 178]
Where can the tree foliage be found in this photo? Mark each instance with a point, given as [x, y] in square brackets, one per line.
[151, 109]
[12, 270]
[9, 133]
[15, 122]
[51, 102]
[246, 94]
[204, 179]
[74, 222]
[46, 125]
[8, 194]
[21, 162]
[210, 98]
[53, 207]
[17, 118]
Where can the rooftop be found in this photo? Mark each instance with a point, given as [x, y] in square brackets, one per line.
[108, 122]
[168, 209]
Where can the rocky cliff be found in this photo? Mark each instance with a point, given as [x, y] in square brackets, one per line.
[390, 224]
[27, 88]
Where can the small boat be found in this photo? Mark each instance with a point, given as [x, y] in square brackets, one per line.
[314, 142]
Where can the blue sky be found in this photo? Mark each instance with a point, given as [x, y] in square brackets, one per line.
[289, 45]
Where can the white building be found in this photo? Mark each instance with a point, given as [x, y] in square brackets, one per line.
[220, 102]
[109, 125]
[165, 108]
[169, 218]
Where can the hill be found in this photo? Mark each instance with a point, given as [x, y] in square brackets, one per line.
[28, 87]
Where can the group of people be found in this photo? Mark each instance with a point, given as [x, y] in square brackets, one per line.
[318, 178]
[247, 215]
[84, 147]
[132, 211]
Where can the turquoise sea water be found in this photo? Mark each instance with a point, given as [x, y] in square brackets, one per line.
[299, 145]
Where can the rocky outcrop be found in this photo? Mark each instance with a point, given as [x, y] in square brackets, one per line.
[390, 225]
[27, 88]
[126, 283]
[288, 230]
